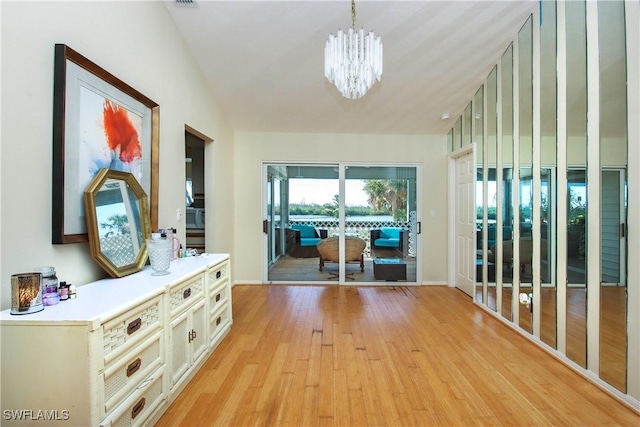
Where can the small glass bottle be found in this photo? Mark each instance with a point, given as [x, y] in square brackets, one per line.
[63, 291]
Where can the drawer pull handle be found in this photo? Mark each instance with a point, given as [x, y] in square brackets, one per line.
[218, 320]
[187, 293]
[138, 407]
[145, 383]
[134, 326]
[217, 297]
[218, 274]
[134, 366]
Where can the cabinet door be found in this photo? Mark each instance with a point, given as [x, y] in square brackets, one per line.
[179, 344]
[198, 330]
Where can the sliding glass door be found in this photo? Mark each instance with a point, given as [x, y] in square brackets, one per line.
[341, 223]
[381, 211]
[273, 224]
[301, 210]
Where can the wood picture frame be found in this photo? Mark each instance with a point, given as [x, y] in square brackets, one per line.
[98, 122]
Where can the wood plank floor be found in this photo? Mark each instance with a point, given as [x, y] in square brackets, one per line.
[381, 356]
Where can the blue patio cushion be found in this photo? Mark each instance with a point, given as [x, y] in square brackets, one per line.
[389, 237]
[491, 233]
[309, 241]
[305, 231]
[390, 232]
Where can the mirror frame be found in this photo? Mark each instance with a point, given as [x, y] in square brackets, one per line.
[92, 221]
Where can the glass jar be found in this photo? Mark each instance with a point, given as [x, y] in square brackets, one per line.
[49, 279]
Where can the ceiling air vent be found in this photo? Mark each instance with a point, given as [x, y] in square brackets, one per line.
[185, 2]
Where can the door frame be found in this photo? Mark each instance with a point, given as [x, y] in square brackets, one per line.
[341, 167]
[451, 181]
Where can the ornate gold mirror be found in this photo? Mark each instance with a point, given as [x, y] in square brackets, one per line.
[117, 210]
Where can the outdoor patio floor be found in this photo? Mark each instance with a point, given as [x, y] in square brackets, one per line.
[289, 269]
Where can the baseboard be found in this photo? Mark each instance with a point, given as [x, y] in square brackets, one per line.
[246, 282]
[258, 282]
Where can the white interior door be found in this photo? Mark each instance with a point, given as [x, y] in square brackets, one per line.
[465, 223]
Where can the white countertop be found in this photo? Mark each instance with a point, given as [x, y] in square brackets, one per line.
[101, 300]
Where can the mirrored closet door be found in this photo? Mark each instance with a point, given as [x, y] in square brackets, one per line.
[613, 195]
[559, 187]
[504, 242]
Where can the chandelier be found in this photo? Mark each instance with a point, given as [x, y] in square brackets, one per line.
[353, 60]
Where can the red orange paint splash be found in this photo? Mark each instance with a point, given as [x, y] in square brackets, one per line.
[120, 132]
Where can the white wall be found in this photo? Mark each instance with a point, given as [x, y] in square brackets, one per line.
[251, 149]
[137, 42]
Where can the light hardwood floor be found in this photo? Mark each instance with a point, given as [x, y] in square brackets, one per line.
[381, 356]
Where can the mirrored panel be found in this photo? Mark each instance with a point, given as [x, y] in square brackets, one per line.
[613, 202]
[117, 222]
[466, 125]
[525, 202]
[576, 182]
[548, 158]
[506, 269]
[492, 195]
[457, 134]
[481, 259]
[450, 147]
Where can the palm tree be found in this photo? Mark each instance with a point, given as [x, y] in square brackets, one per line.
[116, 224]
[333, 208]
[387, 195]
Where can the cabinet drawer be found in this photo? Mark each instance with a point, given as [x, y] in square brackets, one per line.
[218, 322]
[218, 296]
[121, 333]
[218, 273]
[140, 404]
[184, 294]
[128, 372]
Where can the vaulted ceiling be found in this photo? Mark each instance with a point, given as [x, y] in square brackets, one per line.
[264, 60]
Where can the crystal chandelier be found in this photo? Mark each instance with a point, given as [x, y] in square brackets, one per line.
[353, 61]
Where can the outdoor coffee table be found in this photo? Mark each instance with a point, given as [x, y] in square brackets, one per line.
[389, 269]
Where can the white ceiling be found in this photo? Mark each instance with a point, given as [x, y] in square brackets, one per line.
[264, 60]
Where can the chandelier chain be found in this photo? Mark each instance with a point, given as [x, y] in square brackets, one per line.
[353, 14]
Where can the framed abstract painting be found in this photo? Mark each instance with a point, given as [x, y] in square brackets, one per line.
[98, 122]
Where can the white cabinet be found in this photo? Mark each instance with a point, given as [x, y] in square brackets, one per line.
[219, 301]
[136, 408]
[116, 355]
[188, 333]
[130, 385]
[200, 317]
[187, 330]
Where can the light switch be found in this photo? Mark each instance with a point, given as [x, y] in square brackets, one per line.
[179, 214]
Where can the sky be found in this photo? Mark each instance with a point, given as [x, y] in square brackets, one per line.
[321, 191]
